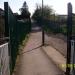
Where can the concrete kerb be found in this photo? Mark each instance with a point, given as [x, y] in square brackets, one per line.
[55, 56]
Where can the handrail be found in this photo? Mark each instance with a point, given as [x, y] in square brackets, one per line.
[3, 45]
[4, 38]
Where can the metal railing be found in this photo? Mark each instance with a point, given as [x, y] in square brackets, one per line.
[4, 60]
[4, 40]
[16, 31]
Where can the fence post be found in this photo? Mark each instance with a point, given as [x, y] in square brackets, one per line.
[69, 36]
[7, 32]
[43, 35]
[6, 19]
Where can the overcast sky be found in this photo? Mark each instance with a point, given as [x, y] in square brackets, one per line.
[60, 6]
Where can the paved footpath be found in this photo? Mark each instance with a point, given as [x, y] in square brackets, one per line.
[33, 61]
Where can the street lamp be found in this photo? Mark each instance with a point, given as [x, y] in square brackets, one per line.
[42, 27]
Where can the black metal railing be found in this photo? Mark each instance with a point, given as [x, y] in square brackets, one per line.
[16, 31]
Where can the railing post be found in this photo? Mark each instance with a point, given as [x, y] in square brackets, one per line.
[7, 32]
[43, 37]
[69, 36]
[6, 19]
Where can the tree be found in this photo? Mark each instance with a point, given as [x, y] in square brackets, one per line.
[24, 10]
[47, 11]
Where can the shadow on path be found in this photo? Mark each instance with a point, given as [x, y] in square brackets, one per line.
[31, 50]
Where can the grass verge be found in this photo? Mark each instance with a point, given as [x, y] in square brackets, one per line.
[24, 42]
[21, 47]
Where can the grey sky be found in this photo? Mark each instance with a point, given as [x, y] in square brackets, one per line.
[60, 6]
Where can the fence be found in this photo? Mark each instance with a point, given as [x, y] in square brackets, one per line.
[66, 27]
[4, 60]
[58, 24]
[16, 30]
[52, 26]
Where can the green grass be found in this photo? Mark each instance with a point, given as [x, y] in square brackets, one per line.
[64, 30]
[48, 29]
[23, 44]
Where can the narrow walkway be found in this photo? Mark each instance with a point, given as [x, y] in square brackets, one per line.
[33, 61]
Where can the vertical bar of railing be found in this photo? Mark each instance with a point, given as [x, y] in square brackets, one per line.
[72, 57]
